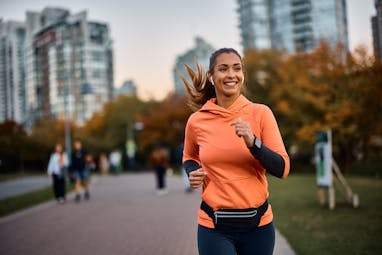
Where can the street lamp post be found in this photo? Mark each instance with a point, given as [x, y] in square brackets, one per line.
[131, 145]
[67, 117]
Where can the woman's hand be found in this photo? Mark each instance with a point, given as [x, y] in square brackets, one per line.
[196, 178]
[243, 129]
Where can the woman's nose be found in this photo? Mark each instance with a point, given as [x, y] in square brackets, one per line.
[230, 73]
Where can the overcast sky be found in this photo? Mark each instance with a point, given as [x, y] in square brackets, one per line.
[149, 34]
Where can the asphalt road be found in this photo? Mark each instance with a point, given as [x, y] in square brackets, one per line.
[124, 216]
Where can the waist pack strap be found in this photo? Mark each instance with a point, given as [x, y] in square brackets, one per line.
[210, 212]
[207, 209]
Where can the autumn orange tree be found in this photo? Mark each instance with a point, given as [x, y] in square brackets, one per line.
[164, 123]
[13, 139]
[261, 71]
[311, 92]
[31, 150]
[107, 130]
[355, 112]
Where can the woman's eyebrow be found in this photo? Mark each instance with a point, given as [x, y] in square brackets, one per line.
[225, 65]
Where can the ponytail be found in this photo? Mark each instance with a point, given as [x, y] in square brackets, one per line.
[200, 90]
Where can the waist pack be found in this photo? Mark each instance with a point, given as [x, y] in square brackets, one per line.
[235, 220]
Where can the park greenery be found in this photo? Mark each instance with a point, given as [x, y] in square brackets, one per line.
[312, 228]
[308, 92]
[325, 89]
[20, 202]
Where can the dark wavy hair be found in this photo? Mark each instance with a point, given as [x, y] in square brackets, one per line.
[201, 90]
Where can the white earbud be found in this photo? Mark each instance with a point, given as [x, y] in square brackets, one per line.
[212, 81]
[242, 81]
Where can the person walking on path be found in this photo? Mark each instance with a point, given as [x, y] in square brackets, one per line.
[90, 166]
[115, 162]
[57, 168]
[104, 164]
[230, 145]
[81, 173]
[159, 160]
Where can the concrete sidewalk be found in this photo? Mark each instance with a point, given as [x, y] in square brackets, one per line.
[23, 185]
[124, 216]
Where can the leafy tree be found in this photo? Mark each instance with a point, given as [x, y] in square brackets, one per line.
[261, 69]
[107, 130]
[164, 123]
[326, 88]
[356, 116]
[12, 142]
[45, 134]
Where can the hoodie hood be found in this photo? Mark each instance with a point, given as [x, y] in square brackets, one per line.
[238, 106]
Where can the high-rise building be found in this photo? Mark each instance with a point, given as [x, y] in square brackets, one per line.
[128, 88]
[69, 65]
[200, 53]
[294, 25]
[12, 71]
[255, 24]
[376, 22]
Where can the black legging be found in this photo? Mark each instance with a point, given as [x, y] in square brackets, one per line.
[258, 241]
[58, 186]
[160, 172]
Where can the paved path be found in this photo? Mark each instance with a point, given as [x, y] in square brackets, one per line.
[124, 216]
[23, 185]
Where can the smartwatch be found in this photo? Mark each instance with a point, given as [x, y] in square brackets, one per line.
[257, 143]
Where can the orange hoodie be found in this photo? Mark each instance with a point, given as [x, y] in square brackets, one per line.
[235, 179]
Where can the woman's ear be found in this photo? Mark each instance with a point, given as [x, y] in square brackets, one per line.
[210, 79]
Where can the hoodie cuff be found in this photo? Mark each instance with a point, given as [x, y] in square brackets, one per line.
[191, 165]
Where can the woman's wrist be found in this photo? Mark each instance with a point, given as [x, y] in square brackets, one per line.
[251, 141]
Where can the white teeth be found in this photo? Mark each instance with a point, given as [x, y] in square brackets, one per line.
[230, 83]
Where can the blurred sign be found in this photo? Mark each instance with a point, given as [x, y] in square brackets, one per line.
[323, 158]
[131, 149]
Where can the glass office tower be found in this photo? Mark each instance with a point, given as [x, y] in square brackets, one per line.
[255, 23]
[376, 22]
[294, 25]
[201, 52]
[70, 63]
[12, 71]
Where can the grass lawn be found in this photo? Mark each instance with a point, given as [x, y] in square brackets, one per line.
[313, 229]
[11, 176]
[16, 203]
[13, 204]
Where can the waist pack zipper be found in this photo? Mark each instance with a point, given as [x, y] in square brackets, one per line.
[221, 214]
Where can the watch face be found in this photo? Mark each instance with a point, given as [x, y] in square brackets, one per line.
[257, 143]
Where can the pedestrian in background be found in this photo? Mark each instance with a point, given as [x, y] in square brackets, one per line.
[90, 166]
[81, 174]
[115, 162]
[103, 164]
[230, 145]
[57, 168]
[159, 161]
